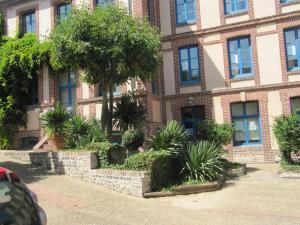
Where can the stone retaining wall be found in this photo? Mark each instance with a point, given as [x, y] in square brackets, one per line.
[83, 165]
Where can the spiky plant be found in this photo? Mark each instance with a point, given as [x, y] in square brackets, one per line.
[171, 138]
[54, 122]
[77, 127]
[129, 113]
[203, 161]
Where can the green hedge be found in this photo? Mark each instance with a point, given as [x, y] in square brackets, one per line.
[133, 139]
[163, 168]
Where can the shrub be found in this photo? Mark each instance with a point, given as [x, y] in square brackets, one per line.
[159, 163]
[171, 138]
[133, 139]
[55, 121]
[117, 154]
[77, 127]
[103, 152]
[203, 161]
[287, 132]
[129, 113]
[220, 134]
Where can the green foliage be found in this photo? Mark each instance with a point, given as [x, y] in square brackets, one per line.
[77, 127]
[54, 121]
[220, 134]
[290, 167]
[129, 113]
[109, 46]
[117, 155]
[287, 132]
[159, 163]
[93, 134]
[1, 24]
[103, 152]
[171, 138]
[133, 139]
[203, 161]
[20, 61]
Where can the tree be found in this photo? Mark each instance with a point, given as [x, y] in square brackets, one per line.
[109, 47]
[20, 61]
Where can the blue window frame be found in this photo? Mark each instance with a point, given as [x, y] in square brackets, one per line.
[235, 6]
[28, 22]
[104, 3]
[189, 65]
[63, 10]
[240, 57]
[246, 123]
[185, 12]
[292, 48]
[191, 117]
[117, 90]
[287, 1]
[67, 89]
[295, 106]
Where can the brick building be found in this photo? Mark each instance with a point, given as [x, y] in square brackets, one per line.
[229, 60]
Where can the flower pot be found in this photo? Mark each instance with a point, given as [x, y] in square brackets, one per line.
[58, 142]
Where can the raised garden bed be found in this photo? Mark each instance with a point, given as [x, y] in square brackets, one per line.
[187, 189]
[290, 171]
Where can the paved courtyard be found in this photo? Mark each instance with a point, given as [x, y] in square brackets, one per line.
[260, 197]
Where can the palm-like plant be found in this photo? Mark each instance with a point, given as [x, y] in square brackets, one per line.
[129, 113]
[203, 161]
[54, 121]
[77, 127]
[171, 138]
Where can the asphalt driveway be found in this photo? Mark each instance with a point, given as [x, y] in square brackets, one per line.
[260, 197]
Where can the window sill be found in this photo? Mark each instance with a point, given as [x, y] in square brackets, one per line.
[189, 84]
[242, 78]
[186, 24]
[236, 14]
[293, 72]
[289, 3]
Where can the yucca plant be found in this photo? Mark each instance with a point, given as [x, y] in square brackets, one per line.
[171, 138]
[203, 161]
[129, 113]
[54, 123]
[77, 127]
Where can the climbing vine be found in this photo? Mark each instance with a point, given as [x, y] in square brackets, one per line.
[21, 59]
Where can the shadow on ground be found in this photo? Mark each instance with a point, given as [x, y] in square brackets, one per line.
[28, 173]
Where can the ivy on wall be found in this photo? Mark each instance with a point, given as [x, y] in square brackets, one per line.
[21, 59]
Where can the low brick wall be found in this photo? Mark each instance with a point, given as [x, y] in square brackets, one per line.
[83, 165]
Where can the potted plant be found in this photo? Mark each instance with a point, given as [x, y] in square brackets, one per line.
[54, 123]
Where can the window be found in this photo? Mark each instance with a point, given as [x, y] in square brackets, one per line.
[117, 90]
[292, 49]
[28, 23]
[191, 117]
[33, 98]
[189, 65]
[246, 123]
[235, 6]
[130, 7]
[288, 1]
[63, 10]
[67, 89]
[104, 3]
[295, 106]
[155, 87]
[185, 11]
[150, 10]
[240, 57]
[29, 142]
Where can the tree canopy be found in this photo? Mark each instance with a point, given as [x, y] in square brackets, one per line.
[20, 61]
[109, 46]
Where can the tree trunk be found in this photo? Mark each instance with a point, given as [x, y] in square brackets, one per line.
[105, 112]
[111, 109]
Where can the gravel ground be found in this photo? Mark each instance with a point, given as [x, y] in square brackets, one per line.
[260, 197]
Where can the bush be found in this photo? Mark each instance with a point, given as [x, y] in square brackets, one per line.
[103, 151]
[203, 161]
[220, 134]
[159, 163]
[117, 154]
[133, 139]
[287, 132]
[171, 138]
